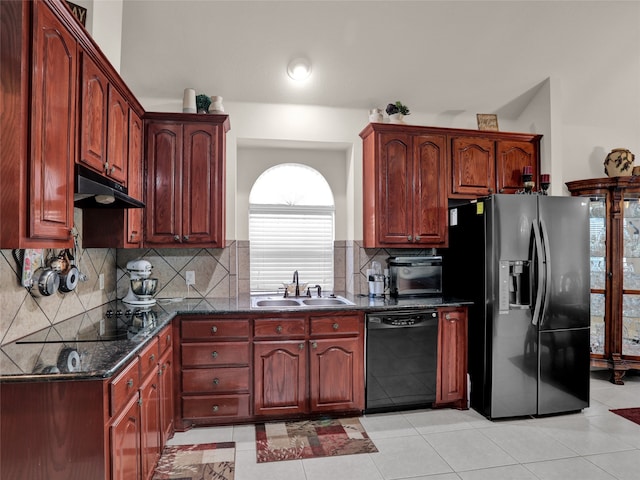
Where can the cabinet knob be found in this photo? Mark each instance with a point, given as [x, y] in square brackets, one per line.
[501, 190]
[185, 238]
[417, 238]
[215, 408]
[176, 238]
[214, 329]
[130, 383]
[314, 344]
[301, 346]
[335, 326]
[490, 190]
[152, 357]
[216, 381]
[279, 329]
[410, 238]
[448, 316]
[214, 354]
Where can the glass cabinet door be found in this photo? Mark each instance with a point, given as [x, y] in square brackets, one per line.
[631, 278]
[597, 248]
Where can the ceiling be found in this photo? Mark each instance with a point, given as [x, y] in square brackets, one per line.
[434, 56]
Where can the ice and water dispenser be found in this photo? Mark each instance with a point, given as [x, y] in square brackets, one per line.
[515, 285]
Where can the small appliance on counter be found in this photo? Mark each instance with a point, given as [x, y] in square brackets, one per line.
[141, 287]
[415, 276]
[376, 280]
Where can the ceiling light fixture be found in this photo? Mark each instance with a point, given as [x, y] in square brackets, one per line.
[299, 69]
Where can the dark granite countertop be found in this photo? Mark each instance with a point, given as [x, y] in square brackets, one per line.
[45, 355]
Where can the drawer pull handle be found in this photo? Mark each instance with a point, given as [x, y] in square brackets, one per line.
[152, 357]
[410, 238]
[214, 354]
[216, 381]
[185, 238]
[130, 383]
[335, 326]
[215, 408]
[417, 238]
[176, 238]
[279, 329]
[214, 329]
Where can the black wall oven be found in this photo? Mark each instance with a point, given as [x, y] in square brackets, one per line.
[401, 359]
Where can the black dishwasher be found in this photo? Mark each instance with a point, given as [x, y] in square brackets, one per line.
[401, 360]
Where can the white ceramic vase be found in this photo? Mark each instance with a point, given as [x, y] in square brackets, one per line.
[216, 105]
[396, 118]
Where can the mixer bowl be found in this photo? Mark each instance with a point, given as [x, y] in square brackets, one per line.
[144, 287]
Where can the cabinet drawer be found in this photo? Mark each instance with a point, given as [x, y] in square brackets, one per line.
[215, 353]
[165, 339]
[216, 406]
[149, 358]
[212, 329]
[339, 325]
[216, 380]
[279, 327]
[124, 386]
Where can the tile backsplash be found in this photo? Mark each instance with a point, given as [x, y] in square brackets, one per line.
[219, 273]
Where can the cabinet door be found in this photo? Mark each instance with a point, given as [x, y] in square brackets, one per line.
[511, 157]
[394, 210]
[202, 186]
[124, 435]
[163, 212]
[150, 423]
[133, 233]
[93, 115]
[429, 190]
[472, 166]
[117, 136]
[280, 371]
[53, 127]
[336, 374]
[166, 396]
[452, 357]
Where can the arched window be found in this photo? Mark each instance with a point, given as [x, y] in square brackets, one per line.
[291, 227]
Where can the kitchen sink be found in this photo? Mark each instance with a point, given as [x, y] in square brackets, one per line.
[299, 302]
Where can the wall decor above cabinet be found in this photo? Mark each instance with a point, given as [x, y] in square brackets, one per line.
[185, 180]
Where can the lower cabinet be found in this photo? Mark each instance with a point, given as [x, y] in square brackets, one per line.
[124, 434]
[452, 357]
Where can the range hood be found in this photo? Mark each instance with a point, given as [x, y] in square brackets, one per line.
[92, 190]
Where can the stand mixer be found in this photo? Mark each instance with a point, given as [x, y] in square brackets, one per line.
[141, 287]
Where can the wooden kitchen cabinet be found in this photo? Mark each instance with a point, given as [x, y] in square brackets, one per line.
[166, 384]
[185, 187]
[451, 383]
[39, 75]
[330, 356]
[614, 221]
[405, 201]
[484, 163]
[213, 377]
[124, 433]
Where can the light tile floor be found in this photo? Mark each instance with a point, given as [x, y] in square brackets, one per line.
[594, 444]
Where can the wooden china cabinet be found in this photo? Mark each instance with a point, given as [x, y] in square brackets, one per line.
[615, 271]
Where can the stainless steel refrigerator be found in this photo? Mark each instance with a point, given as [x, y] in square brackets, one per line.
[524, 261]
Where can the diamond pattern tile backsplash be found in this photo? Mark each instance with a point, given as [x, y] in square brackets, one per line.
[219, 273]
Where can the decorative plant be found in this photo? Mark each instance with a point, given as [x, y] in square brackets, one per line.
[397, 107]
[202, 102]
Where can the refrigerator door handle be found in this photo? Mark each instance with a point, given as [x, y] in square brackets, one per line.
[538, 257]
[547, 268]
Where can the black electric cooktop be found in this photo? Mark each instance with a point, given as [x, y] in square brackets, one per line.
[109, 322]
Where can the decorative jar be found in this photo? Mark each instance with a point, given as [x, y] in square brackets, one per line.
[619, 163]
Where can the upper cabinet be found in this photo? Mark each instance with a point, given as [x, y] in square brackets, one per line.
[405, 201]
[104, 123]
[185, 180]
[38, 125]
[409, 173]
[483, 163]
[62, 103]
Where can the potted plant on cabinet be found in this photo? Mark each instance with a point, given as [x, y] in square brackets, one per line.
[202, 103]
[397, 111]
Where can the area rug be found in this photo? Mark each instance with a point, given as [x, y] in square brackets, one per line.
[311, 438]
[207, 461]
[632, 414]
